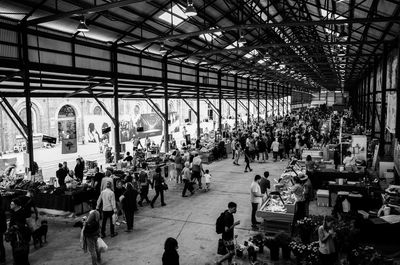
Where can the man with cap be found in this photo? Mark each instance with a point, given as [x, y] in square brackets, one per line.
[107, 199]
[308, 192]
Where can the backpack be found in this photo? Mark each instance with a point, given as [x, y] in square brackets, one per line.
[220, 224]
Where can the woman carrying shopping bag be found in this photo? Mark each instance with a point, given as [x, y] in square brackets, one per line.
[90, 234]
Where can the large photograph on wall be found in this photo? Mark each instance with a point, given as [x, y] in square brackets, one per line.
[94, 127]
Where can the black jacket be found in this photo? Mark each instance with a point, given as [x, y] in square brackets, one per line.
[170, 258]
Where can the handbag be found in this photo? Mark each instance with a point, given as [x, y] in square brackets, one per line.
[164, 186]
[221, 247]
[101, 245]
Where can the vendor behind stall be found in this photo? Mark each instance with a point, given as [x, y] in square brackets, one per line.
[349, 160]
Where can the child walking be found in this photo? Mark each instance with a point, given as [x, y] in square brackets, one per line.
[207, 178]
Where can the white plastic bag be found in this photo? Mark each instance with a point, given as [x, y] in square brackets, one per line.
[114, 218]
[102, 245]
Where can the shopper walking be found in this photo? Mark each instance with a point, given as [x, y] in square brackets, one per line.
[144, 187]
[247, 158]
[186, 180]
[107, 199]
[3, 229]
[255, 199]
[128, 201]
[197, 168]
[238, 150]
[91, 232]
[170, 256]
[228, 233]
[158, 184]
[178, 166]
[19, 233]
[60, 175]
[326, 235]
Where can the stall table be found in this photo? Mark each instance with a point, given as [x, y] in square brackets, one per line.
[321, 176]
[75, 202]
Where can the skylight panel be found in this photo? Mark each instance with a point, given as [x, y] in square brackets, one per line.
[210, 36]
[234, 45]
[178, 15]
[251, 54]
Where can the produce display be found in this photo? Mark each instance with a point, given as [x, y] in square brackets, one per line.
[275, 205]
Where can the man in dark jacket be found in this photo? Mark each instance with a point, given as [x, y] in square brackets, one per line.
[61, 173]
[21, 233]
[3, 229]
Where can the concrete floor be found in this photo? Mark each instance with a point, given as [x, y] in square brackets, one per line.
[191, 220]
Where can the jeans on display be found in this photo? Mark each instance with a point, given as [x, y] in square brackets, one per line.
[93, 249]
[107, 215]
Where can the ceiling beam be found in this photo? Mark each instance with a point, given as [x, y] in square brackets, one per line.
[245, 48]
[266, 25]
[83, 11]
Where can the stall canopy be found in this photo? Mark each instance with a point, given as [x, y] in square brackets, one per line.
[194, 48]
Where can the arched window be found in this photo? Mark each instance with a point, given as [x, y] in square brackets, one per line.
[97, 111]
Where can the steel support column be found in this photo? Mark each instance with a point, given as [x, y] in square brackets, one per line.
[374, 111]
[266, 101]
[164, 64]
[219, 102]
[273, 99]
[279, 103]
[236, 101]
[198, 100]
[383, 102]
[398, 92]
[114, 67]
[258, 101]
[24, 58]
[248, 101]
[367, 124]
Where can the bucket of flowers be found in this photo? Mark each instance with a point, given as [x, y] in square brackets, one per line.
[306, 254]
[307, 227]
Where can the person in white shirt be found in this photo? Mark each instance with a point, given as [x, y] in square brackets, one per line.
[255, 198]
[275, 148]
[349, 160]
[207, 179]
[105, 180]
[107, 200]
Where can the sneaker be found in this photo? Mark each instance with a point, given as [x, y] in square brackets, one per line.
[184, 195]
[251, 169]
[164, 204]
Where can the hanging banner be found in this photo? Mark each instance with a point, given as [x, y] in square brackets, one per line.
[67, 129]
[391, 112]
[69, 146]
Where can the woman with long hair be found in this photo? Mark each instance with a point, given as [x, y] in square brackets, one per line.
[327, 250]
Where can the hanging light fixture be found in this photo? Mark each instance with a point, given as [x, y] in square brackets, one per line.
[163, 50]
[242, 40]
[190, 10]
[82, 27]
[203, 61]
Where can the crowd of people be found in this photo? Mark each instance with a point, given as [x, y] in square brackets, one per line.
[117, 201]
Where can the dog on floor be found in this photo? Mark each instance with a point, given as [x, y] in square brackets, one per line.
[39, 236]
